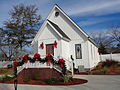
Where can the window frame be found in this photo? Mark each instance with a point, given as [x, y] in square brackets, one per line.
[78, 55]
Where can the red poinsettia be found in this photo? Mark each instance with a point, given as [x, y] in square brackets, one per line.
[37, 59]
[15, 62]
[26, 61]
[61, 65]
[26, 56]
[48, 59]
[61, 61]
[37, 55]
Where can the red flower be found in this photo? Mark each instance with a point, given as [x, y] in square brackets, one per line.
[48, 60]
[26, 61]
[15, 62]
[37, 59]
[61, 65]
[26, 56]
[48, 57]
[61, 61]
[37, 55]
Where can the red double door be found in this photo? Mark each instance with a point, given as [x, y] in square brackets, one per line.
[50, 49]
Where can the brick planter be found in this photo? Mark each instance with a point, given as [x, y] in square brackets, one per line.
[42, 73]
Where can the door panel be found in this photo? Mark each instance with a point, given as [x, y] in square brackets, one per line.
[50, 49]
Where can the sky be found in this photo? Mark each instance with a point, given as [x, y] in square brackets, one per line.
[90, 15]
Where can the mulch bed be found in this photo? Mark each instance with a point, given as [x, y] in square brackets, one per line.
[75, 81]
[44, 80]
[111, 71]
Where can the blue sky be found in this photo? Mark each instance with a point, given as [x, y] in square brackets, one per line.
[91, 15]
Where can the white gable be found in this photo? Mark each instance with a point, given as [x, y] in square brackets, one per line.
[68, 28]
[48, 33]
[65, 25]
[73, 31]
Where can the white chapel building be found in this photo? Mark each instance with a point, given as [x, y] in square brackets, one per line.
[62, 38]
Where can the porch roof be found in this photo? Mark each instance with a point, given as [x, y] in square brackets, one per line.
[59, 30]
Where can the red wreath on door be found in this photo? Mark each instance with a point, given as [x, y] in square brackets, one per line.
[55, 44]
[42, 45]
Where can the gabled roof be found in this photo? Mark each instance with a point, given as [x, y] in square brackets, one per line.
[59, 30]
[78, 27]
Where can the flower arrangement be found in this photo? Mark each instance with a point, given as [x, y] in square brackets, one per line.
[61, 63]
[26, 56]
[48, 59]
[37, 55]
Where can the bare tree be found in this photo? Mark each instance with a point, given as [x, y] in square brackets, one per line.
[102, 37]
[6, 46]
[103, 40]
[109, 39]
[115, 34]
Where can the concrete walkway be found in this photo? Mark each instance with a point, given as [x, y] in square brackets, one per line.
[95, 82]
